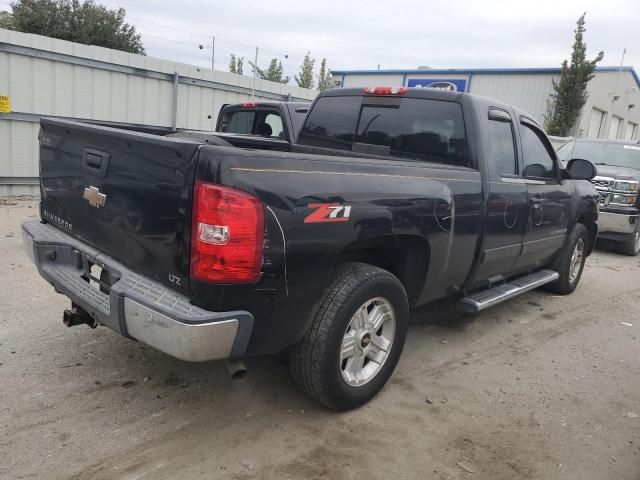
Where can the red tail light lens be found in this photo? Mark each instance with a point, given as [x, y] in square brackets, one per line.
[249, 105]
[227, 235]
[385, 90]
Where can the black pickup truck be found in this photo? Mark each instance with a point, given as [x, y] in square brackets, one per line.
[389, 199]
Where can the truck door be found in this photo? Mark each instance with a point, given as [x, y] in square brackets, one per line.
[549, 198]
[507, 206]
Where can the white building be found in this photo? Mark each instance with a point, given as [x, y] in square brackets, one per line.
[612, 109]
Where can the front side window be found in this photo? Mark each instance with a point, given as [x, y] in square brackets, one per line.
[502, 148]
[538, 162]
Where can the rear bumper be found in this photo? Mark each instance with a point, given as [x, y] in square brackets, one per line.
[135, 306]
[615, 225]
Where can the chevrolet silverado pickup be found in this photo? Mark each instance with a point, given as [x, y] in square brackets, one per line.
[390, 198]
[617, 183]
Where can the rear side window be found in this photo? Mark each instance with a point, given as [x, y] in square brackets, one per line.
[410, 128]
[501, 146]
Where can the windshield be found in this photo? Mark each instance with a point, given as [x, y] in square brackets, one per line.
[602, 153]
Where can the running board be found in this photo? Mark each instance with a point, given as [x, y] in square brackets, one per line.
[487, 298]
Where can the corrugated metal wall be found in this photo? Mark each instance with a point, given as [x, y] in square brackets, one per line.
[48, 77]
[528, 91]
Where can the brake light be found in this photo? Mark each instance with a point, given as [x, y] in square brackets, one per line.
[227, 235]
[385, 90]
[249, 105]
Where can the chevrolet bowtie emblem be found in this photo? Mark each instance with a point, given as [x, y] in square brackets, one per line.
[94, 197]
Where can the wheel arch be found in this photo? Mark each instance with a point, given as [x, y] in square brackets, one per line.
[589, 220]
[405, 256]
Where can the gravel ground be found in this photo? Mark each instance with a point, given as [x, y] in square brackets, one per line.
[540, 387]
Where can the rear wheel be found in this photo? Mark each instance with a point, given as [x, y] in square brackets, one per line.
[355, 339]
[631, 246]
[570, 263]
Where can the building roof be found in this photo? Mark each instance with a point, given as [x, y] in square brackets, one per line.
[485, 71]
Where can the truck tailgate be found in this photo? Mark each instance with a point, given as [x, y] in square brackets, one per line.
[125, 193]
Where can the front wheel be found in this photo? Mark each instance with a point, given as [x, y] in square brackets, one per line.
[355, 339]
[570, 263]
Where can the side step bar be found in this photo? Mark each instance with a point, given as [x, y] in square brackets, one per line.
[484, 299]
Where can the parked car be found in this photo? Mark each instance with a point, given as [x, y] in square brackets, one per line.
[265, 125]
[389, 199]
[269, 119]
[617, 182]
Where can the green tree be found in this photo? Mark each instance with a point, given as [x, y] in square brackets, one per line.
[5, 20]
[570, 92]
[305, 79]
[236, 64]
[324, 77]
[275, 72]
[81, 22]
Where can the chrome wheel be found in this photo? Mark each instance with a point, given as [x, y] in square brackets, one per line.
[576, 260]
[636, 241]
[367, 341]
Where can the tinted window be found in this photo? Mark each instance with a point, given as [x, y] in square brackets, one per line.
[417, 129]
[410, 128]
[538, 162]
[240, 122]
[501, 146]
[332, 123]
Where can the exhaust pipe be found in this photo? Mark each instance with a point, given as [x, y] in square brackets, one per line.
[236, 368]
[77, 316]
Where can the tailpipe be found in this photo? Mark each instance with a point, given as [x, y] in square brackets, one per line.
[236, 368]
[78, 316]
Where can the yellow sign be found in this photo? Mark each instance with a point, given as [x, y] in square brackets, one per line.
[5, 104]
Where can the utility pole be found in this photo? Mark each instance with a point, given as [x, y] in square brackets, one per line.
[213, 53]
[615, 86]
[253, 80]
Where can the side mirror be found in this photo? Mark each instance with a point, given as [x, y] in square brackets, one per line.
[580, 169]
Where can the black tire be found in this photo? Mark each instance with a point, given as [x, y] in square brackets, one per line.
[630, 247]
[315, 359]
[567, 283]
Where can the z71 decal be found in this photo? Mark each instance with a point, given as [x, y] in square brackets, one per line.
[328, 212]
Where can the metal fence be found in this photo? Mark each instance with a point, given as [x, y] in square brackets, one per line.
[41, 76]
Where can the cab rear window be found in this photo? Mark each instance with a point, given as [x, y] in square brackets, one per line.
[408, 128]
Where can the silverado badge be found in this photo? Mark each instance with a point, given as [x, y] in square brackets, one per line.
[94, 197]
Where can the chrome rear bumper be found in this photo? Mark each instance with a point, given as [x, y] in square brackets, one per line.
[135, 306]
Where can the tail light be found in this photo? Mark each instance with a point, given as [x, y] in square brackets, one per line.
[385, 90]
[249, 105]
[227, 235]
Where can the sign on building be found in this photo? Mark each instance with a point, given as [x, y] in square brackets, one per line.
[439, 83]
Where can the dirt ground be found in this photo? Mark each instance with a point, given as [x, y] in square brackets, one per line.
[540, 387]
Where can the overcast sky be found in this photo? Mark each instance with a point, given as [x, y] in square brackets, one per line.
[391, 33]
